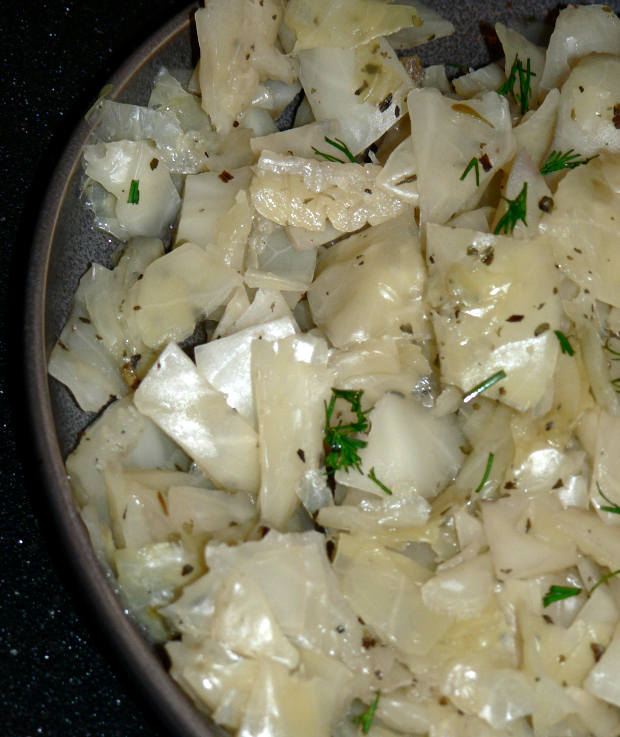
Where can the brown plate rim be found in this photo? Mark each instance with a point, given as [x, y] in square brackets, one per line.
[138, 658]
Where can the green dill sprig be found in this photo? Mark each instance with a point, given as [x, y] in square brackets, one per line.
[556, 161]
[487, 471]
[517, 210]
[609, 349]
[602, 580]
[343, 446]
[366, 717]
[134, 192]
[524, 75]
[381, 485]
[557, 593]
[484, 385]
[473, 164]
[341, 146]
[564, 343]
[614, 508]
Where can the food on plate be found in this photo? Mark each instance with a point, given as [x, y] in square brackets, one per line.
[357, 366]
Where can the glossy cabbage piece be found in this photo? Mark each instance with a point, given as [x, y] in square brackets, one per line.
[583, 228]
[176, 397]
[235, 57]
[305, 193]
[495, 310]
[290, 381]
[150, 208]
[446, 136]
[370, 285]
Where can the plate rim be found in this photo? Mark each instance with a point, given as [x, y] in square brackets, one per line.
[132, 651]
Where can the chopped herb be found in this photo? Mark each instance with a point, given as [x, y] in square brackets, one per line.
[365, 719]
[556, 161]
[614, 509]
[564, 343]
[372, 477]
[484, 385]
[343, 446]
[487, 471]
[517, 210]
[134, 192]
[341, 146]
[602, 580]
[473, 164]
[557, 593]
[616, 385]
[609, 349]
[524, 74]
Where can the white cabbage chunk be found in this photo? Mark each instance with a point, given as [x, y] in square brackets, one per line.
[371, 284]
[522, 549]
[146, 199]
[495, 310]
[399, 174]
[290, 381]
[516, 46]
[120, 435]
[363, 89]
[479, 81]
[290, 190]
[447, 135]
[536, 129]
[432, 27]
[383, 588]
[588, 111]
[584, 229]
[408, 448]
[186, 407]
[299, 141]
[226, 363]
[176, 291]
[235, 57]
[279, 265]
[603, 681]
[80, 359]
[207, 199]
[345, 23]
[579, 31]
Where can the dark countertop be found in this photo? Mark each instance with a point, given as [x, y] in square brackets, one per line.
[56, 676]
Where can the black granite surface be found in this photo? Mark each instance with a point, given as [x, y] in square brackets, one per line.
[56, 675]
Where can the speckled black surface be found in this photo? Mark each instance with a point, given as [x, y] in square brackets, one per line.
[57, 676]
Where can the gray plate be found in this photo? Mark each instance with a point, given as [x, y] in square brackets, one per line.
[65, 245]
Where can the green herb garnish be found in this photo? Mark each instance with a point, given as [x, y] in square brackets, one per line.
[365, 719]
[609, 349]
[557, 593]
[524, 74]
[473, 164]
[484, 385]
[341, 146]
[556, 161]
[517, 210]
[487, 471]
[614, 509]
[372, 477]
[343, 446]
[564, 343]
[605, 578]
[134, 192]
